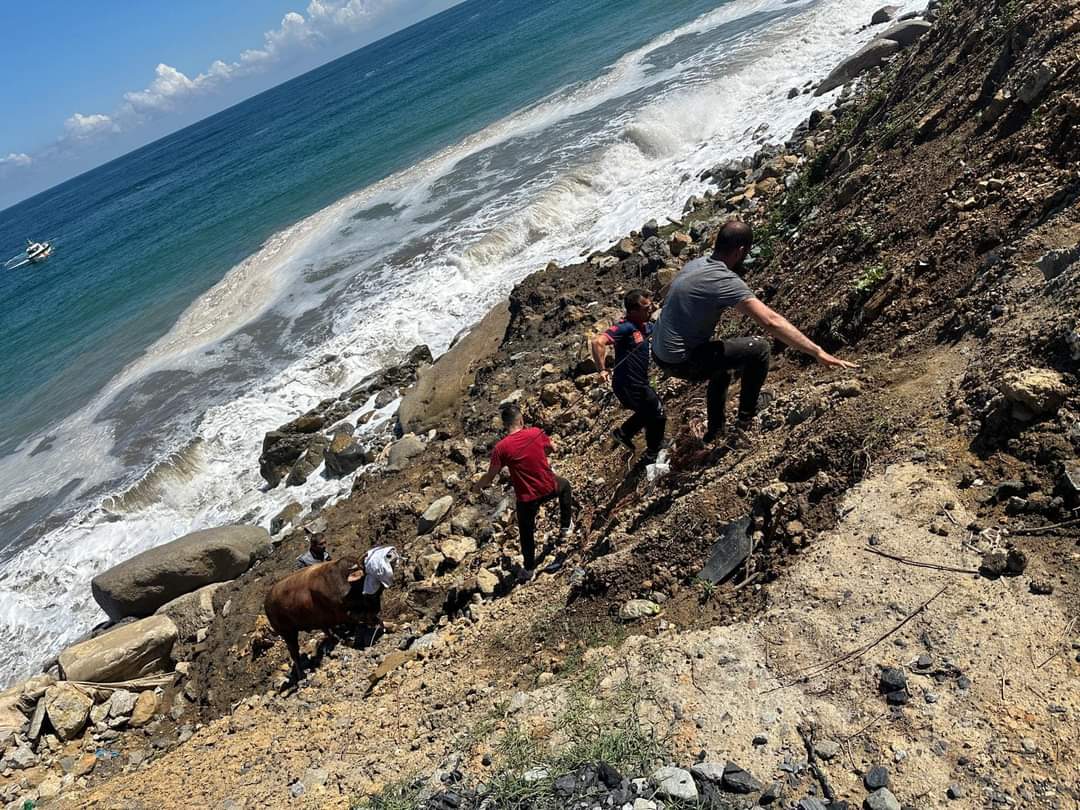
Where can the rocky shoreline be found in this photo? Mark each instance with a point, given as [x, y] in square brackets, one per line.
[841, 245]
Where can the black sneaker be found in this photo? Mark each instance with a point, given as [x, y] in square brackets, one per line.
[623, 439]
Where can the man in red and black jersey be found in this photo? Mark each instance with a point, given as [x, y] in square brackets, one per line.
[631, 338]
[523, 451]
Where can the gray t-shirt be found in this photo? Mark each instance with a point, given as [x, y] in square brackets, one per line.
[697, 298]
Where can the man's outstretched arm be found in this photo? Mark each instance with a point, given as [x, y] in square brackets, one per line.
[779, 327]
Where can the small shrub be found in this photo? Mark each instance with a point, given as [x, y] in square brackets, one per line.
[870, 278]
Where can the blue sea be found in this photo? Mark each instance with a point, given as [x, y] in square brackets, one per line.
[216, 283]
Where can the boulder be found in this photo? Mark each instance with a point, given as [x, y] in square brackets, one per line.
[285, 517]
[192, 610]
[429, 563]
[884, 14]
[434, 513]
[308, 462]
[679, 242]
[68, 708]
[467, 520]
[404, 450]
[11, 717]
[874, 54]
[906, 33]
[441, 385]
[1034, 393]
[130, 651]
[345, 455]
[147, 581]
[280, 450]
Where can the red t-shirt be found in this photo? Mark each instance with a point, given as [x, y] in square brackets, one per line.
[524, 454]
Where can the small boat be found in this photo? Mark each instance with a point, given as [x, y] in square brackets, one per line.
[35, 253]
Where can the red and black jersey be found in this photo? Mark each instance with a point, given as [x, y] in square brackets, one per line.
[631, 353]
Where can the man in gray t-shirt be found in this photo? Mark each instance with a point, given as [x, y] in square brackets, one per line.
[682, 342]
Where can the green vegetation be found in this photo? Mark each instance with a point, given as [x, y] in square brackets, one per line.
[870, 278]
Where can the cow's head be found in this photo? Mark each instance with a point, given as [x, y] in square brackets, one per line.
[351, 568]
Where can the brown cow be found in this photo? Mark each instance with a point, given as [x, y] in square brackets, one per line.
[319, 597]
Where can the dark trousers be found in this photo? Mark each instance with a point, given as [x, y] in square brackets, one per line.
[648, 414]
[714, 361]
[526, 517]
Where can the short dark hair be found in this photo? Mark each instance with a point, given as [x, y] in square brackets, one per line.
[634, 298]
[734, 234]
[509, 413]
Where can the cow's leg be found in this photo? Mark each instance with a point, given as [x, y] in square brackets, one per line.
[292, 642]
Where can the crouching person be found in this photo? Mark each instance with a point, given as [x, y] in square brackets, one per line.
[523, 451]
[631, 338]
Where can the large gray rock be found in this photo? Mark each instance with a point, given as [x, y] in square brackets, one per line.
[147, 581]
[434, 513]
[68, 708]
[130, 651]
[884, 15]
[874, 54]
[345, 455]
[192, 610]
[440, 386]
[403, 450]
[906, 32]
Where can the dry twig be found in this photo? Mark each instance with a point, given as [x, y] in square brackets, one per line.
[1038, 529]
[919, 563]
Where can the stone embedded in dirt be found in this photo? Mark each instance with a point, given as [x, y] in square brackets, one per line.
[68, 708]
[892, 679]
[403, 451]
[456, 549]
[1056, 262]
[772, 793]
[811, 803]
[881, 799]
[826, 749]
[736, 780]
[1016, 561]
[1041, 587]
[146, 705]
[429, 563]
[675, 783]
[1034, 393]
[20, 758]
[994, 564]
[122, 703]
[901, 697]
[84, 765]
[875, 778]
[434, 513]
[1036, 83]
[50, 787]
[637, 609]
[1070, 477]
[955, 791]
[486, 581]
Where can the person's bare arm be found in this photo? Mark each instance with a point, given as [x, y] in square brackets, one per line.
[779, 327]
[599, 346]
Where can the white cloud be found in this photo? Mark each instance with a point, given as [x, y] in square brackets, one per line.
[16, 159]
[81, 127]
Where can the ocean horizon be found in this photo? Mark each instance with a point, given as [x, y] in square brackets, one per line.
[218, 282]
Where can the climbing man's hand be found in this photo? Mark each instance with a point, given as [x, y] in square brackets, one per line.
[827, 359]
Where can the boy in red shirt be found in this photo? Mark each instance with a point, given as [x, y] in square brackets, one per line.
[523, 451]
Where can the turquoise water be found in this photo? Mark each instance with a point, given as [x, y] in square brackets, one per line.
[216, 283]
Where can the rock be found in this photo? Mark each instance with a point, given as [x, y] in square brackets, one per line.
[876, 778]
[650, 229]
[467, 521]
[49, 787]
[429, 563]
[280, 450]
[1041, 587]
[148, 580]
[772, 793]
[892, 678]
[1016, 561]
[666, 275]
[881, 799]
[456, 549]
[906, 33]
[20, 758]
[1036, 83]
[655, 252]
[997, 106]
[675, 783]
[36, 722]
[826, 749]
[84, 765]
[12, 718]
[872, 55]
[345, 455]
[308, 462]
[285, 517]
[955, 791]
[884, 14]
[624, 248]
[122, 703]
[403, 451]
[994, 564]
[1034, 393]
[679, 242]
[811, 803]
[146, 705]
[1055, 262]
[486, 581]
[637, 609]
[192, 610]
[434, 513]
[130, 651]
[68, 708]
[736, 780]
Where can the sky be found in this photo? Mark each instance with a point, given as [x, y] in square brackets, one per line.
[88, 82]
